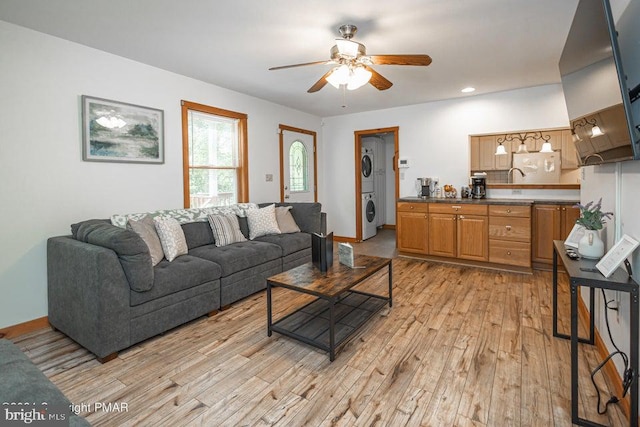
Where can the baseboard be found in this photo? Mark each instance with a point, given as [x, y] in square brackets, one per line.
[25, 328]
[610, 368]
[343, 239]
[388, 226]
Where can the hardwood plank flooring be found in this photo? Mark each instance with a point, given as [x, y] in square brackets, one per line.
[461, 346]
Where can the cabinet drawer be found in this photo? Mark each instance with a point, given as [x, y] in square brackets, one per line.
[514, 229]
[508, 210]
[461, 208]
[413, 207]
[510, 253]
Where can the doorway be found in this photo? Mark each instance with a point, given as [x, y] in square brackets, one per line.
[298, 165]
[377, 187]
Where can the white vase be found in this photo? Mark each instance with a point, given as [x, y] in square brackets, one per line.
[590, 245]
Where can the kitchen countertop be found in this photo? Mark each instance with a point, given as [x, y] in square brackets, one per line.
[488, 201]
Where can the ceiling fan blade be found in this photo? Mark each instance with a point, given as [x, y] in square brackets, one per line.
[423, 60]
[298, 65]
[320, 83]
[377, 80]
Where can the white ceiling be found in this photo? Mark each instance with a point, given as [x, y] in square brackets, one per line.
[493, 45]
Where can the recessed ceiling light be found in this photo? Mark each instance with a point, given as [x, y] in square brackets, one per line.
[468, 89]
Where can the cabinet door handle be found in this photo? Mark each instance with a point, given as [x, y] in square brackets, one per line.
[564, 209]
[508, 227]
[461, 216]
[457, 207]
[411, 207]
[508, 252]
[508, 210]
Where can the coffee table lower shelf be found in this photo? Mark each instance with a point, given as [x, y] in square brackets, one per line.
[311, 324]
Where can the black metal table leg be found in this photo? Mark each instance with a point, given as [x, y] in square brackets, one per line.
[634, 316]
[555, 294]
[574, 352]
[269, 332]
[332, 330]
[390, 285]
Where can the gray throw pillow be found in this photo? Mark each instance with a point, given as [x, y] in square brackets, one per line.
[286, 223]
[146, 229]
[226, 229]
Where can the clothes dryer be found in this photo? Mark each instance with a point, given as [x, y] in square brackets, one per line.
[369, 221]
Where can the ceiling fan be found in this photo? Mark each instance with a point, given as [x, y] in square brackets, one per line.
[353, 65]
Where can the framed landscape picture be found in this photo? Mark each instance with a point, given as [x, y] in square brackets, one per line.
[115, 131]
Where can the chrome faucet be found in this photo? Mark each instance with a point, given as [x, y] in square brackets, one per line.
[509, 174]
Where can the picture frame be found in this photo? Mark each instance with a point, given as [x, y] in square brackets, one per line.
[616, 255]
[577, 232]
[114, 131]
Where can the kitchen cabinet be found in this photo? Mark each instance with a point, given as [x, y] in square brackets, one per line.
[510, 235]
[550, 222]
[569, 154]
[458, 231]
[487, 158]
[412, 228]
[474, 152]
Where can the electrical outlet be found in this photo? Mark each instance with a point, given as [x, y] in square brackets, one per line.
[516, 191]
[269, 177]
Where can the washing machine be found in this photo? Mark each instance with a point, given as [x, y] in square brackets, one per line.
[367, 167]
[369, 221]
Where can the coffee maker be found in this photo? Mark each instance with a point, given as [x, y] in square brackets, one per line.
[478, 187]
[425, 187]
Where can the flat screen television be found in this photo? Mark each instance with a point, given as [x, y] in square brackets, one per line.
[600, 72]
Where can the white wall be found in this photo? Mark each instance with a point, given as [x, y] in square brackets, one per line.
[435, 139]
[45, 184]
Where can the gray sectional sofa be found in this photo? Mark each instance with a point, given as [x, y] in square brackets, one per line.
[104, 293]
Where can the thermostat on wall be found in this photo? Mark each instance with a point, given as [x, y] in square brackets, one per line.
[403, 163]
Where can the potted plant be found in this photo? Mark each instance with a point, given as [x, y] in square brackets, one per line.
[592, 218]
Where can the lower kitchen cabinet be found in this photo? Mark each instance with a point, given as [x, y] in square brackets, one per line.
[460, 234]
[510, 235]
[551, 222]
[412, 229]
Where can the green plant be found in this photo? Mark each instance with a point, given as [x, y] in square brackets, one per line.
[591, 216]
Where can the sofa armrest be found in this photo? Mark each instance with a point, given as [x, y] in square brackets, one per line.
[88, 295]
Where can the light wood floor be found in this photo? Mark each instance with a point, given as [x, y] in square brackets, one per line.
[461, 346]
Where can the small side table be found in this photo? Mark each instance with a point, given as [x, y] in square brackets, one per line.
[581, 273]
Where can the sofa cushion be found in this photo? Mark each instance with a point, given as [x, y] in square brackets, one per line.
[146, 229]
[238, 256]
[132, 252]
[262, 222]
[226, 229]
[197, 234]
[183, 273]
[286, 223]
[172, 238]
[289, 243]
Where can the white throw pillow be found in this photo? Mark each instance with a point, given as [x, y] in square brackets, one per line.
[226, 229]
[262, 222]
[172, 238]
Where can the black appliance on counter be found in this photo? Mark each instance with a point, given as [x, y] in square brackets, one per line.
[478, 187]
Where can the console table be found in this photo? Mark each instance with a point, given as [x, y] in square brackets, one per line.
[583, 273]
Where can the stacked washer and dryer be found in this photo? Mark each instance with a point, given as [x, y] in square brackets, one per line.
[369, 201]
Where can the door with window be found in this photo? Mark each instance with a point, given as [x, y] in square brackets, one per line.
[297, 165]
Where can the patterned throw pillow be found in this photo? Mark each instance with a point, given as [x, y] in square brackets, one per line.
[146, 229]
[285, 220]
[172, 238]
[226, 229]
[262, 222]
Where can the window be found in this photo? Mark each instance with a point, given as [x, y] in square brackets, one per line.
[214, 147]
[298, 167]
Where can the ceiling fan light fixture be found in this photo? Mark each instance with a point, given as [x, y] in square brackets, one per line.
[358, 78]
[339, 76]
[348, 48]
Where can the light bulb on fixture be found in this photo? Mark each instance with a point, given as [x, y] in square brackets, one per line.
[522, 148]
[595, 131]
[546, 147]
[500, 150]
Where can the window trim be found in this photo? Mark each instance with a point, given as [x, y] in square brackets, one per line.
[243, 152]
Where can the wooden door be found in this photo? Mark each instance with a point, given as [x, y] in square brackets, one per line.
[473, 237]
[547, 221]
[569, 217]
[568, 154]
[442, 235]
[413, 232]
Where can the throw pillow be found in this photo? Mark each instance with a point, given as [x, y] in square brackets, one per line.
[226, 229]
[146, 229]
[171, 237]
[286, 223]
[262, 221]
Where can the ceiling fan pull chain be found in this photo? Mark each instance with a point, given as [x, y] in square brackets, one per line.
[344, 96]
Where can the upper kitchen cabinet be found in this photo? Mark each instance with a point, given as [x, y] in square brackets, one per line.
[483, 154]
[568, 153]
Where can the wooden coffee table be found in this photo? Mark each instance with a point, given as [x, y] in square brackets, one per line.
[338, 311]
